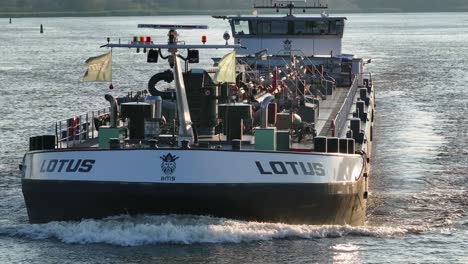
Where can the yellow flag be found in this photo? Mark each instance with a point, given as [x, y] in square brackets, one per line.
[226, 69]
[99, 68]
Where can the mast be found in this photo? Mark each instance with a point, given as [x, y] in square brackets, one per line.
[185, 123]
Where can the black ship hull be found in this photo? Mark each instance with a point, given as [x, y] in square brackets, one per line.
[307, 203]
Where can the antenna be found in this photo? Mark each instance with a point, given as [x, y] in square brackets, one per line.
[172, 30]
[168, 26]
[172, 44]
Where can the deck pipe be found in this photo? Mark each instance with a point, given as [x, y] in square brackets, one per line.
[360, 108]
[113, 110]
[236, 144]
[264, 109]
[320, 144]
[355, 126]
[351, 145]
[333, 145]
[343, 145]
[363, 94]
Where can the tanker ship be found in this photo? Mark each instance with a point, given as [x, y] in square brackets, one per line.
[278, 130]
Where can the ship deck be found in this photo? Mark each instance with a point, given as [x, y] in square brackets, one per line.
[329, 108]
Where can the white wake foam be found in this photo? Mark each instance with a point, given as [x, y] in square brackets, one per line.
[142, 230]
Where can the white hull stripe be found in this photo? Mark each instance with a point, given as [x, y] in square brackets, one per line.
[192, 166]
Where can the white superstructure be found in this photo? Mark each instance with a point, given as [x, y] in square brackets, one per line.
[288, 35]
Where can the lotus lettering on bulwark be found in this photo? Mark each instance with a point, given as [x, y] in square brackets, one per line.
[168, 166]
[67, 165]
[291, 168]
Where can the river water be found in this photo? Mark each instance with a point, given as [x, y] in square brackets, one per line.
[418, 200]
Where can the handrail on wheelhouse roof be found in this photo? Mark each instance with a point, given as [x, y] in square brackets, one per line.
[290, 4]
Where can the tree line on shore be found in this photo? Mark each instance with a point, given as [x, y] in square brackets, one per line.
[12, 6]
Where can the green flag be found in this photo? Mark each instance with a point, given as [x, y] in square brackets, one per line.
[226, 69]
[99, 68]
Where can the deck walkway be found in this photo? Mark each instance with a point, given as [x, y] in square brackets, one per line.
[328, 110]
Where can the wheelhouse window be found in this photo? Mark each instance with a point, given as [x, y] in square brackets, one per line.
[264, 28]
[323, 27]
[279, 27]
[305, 28]
[339, 25]
[270, 27]
[333, 27]
[241, 27]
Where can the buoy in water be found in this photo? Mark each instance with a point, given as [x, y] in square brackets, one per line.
[42, 29]
[10, 20]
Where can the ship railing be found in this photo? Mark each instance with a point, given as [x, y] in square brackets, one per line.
[366, 76]
[290, 52]
[305, 58]
[342, 115]
[252, 73]
[78, 129]
[324, 83]
[314, 68]
[294, 82]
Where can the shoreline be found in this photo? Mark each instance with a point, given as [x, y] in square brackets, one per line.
[125, 13]
[122, 13]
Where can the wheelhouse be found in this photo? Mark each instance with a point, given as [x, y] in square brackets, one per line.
[295, 26]
[289, 35]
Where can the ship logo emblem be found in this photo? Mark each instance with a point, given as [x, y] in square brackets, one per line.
[168, 165]
[287, 45]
